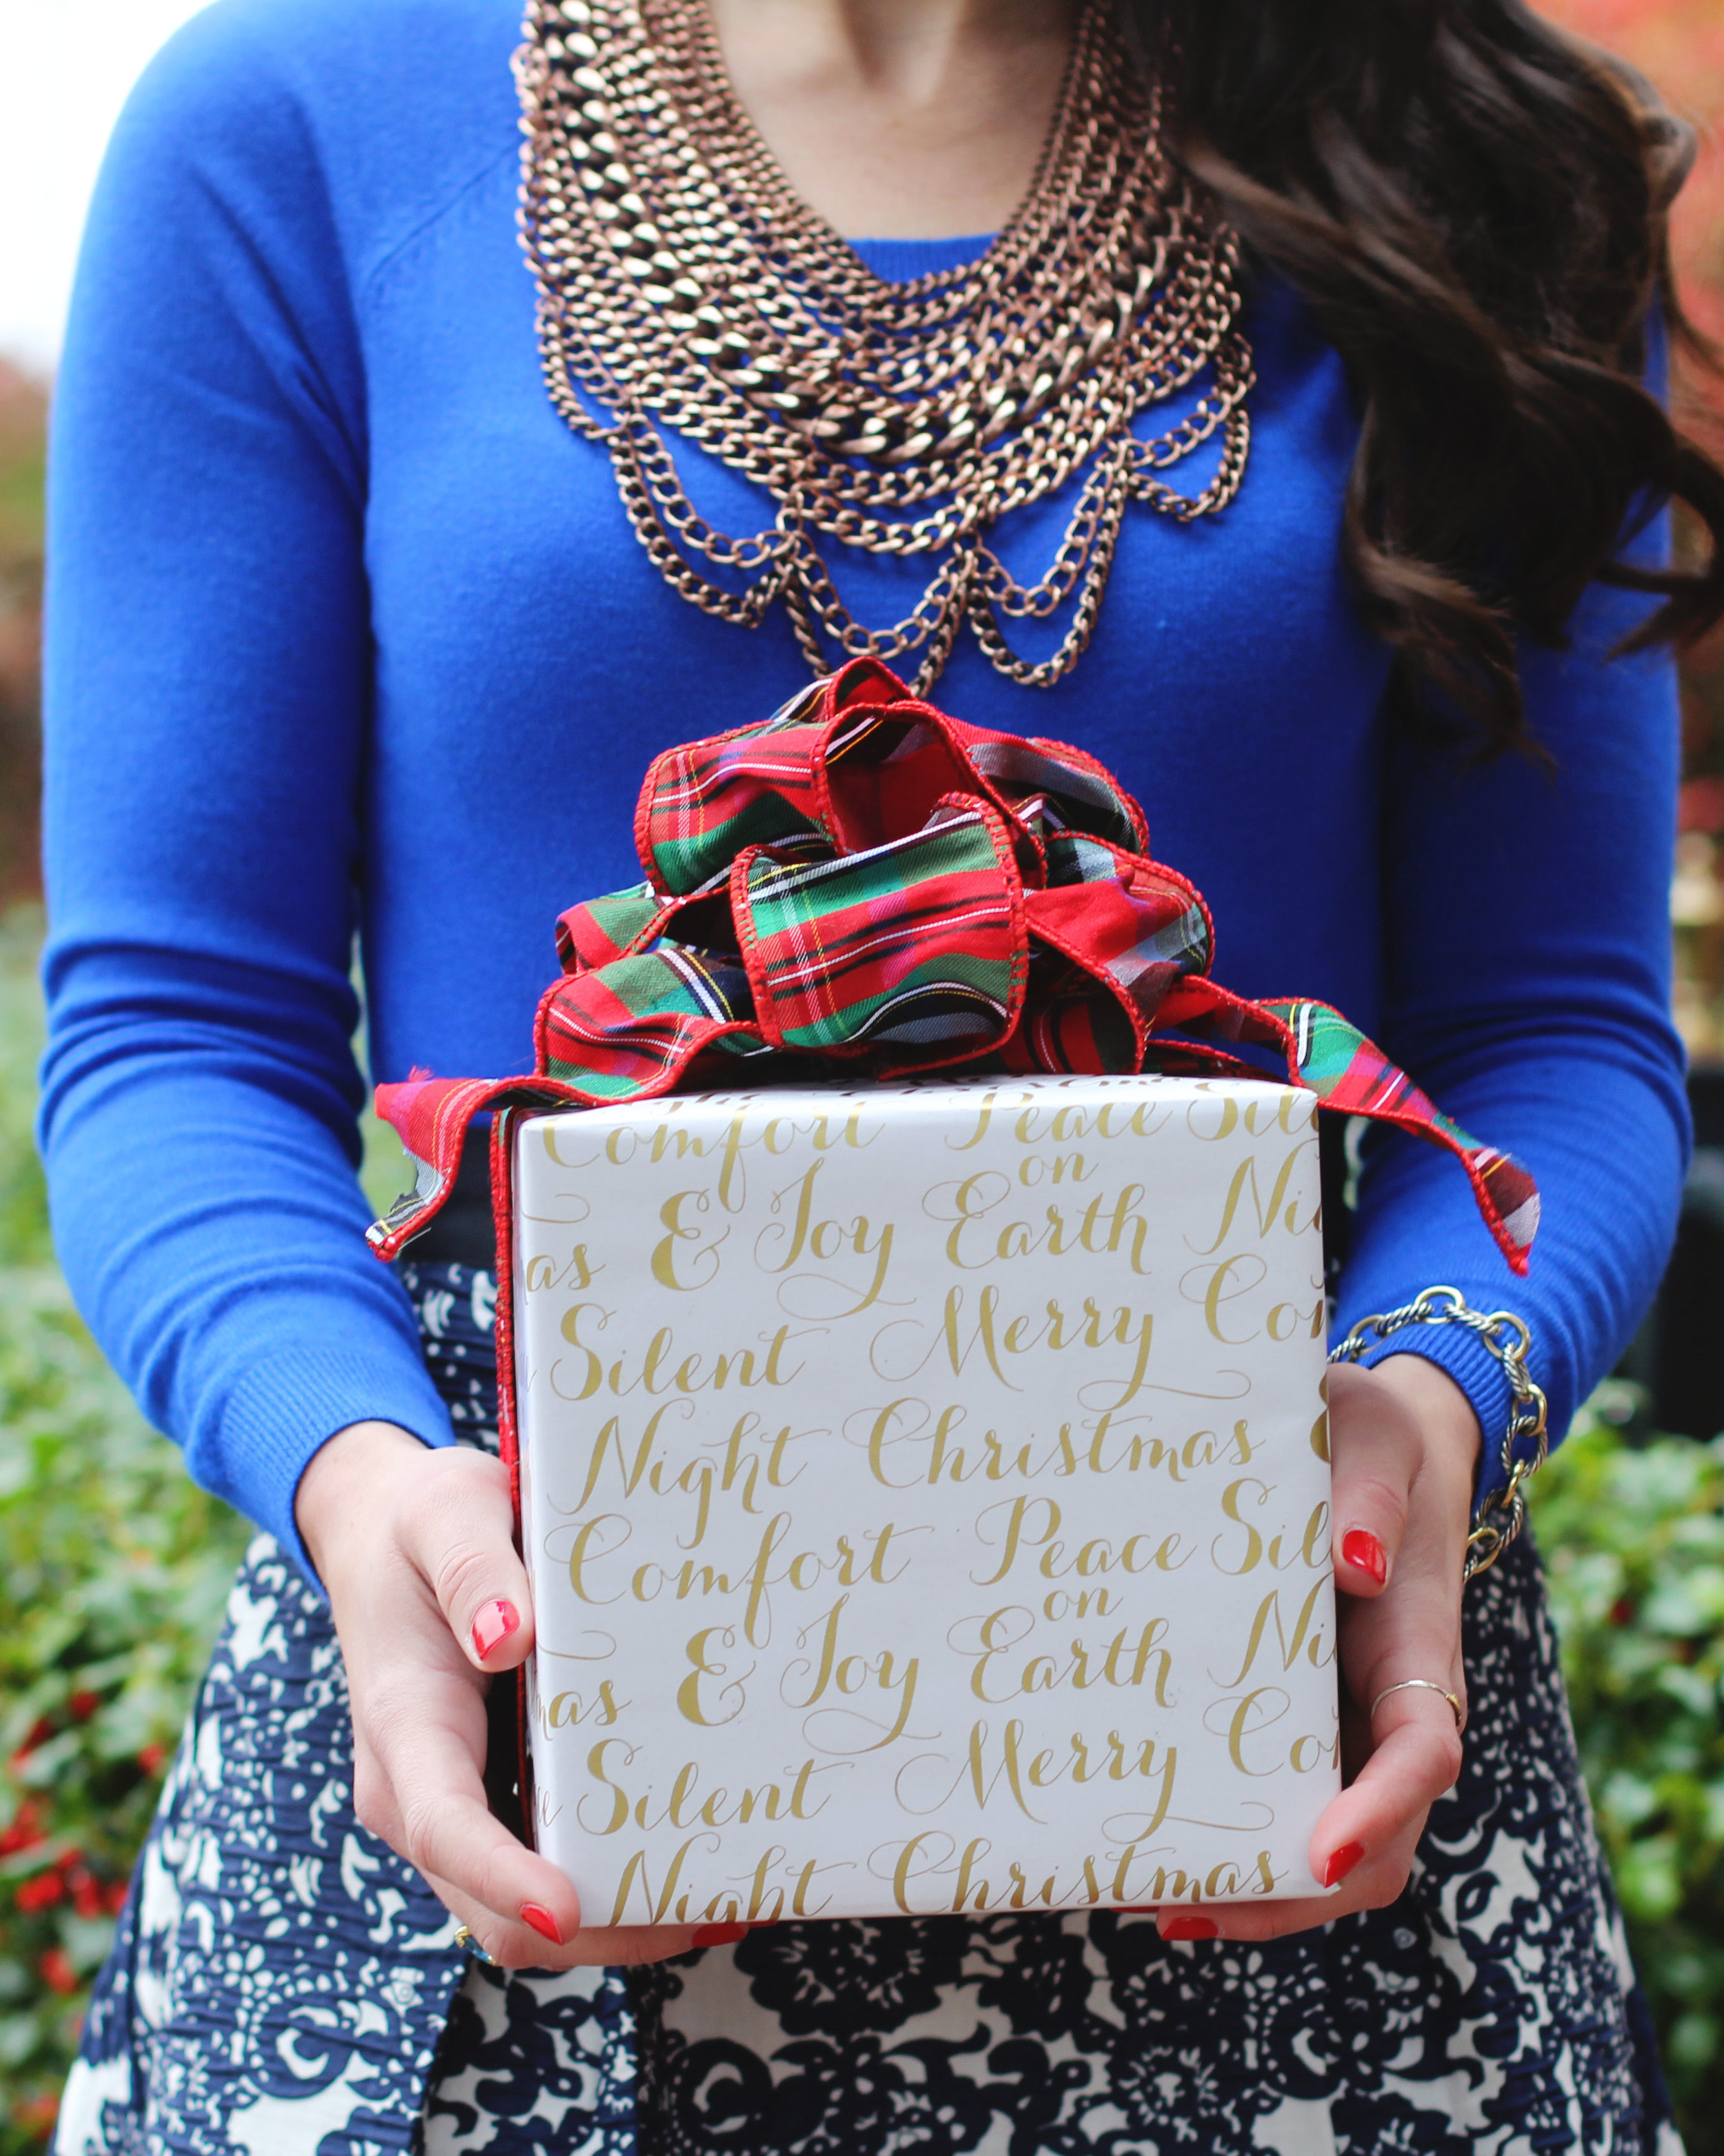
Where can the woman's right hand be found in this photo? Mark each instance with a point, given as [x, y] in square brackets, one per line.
[415, 1548]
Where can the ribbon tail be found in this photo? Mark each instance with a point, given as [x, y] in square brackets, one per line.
[432, 1116]
[1351, 1075]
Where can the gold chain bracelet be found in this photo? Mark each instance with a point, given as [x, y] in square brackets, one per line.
[1502, 1511]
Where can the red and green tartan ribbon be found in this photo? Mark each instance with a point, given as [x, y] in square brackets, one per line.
[863, 879]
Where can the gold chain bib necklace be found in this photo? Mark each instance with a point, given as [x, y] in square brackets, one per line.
[683, 285]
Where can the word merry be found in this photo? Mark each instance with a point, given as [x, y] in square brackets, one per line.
[998, 1341]
[1114, 1760]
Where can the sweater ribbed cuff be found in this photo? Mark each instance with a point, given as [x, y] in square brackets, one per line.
[1465, 1357]
[287, 1406]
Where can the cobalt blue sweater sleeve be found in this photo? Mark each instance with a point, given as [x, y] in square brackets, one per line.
[207, 690]
[1529, 988]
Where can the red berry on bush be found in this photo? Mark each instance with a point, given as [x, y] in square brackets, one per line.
[42, 1892]
[40, 1731]
[86, 1894]
[83, 1704]
[57, 1972]
[24, 1832]
[114, 1896]
[151, 1757]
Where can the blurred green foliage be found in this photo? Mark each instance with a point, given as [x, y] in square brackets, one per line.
[113, 1571]
[1633, 1537]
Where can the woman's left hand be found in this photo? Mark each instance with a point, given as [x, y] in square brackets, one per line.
[1404, 1441]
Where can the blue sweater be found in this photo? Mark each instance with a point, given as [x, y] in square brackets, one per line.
[348, 636]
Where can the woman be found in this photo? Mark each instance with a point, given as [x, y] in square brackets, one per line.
[1308, 354]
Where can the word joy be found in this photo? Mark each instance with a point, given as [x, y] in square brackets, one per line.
[832, 1676]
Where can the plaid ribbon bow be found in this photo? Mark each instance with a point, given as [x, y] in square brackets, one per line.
[862, 878]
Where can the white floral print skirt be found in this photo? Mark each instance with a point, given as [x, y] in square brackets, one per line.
[282, 1985]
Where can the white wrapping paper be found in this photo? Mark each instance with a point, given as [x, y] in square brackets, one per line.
[925, 1489]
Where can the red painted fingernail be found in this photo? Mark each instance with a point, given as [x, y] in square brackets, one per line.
[1191, 1928]
[541, 1920]
[1364, 1550]
[1342, 1862]
[492, 1626]
[719, 1935]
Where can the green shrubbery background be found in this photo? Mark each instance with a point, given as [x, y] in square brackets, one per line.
[113, 1570]
[1633, 1537]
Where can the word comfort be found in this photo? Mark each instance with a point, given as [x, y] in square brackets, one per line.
[925, 1489]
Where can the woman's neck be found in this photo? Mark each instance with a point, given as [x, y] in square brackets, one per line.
[900, 119]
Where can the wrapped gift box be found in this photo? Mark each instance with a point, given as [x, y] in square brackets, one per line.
[925, 1490]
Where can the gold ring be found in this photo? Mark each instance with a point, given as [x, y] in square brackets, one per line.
[1422, 1684]
[465, 1940]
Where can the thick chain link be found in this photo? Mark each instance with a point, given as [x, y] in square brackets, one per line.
[685, 287]
[1502, 1512]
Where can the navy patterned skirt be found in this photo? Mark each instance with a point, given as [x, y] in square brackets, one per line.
[284, 1985]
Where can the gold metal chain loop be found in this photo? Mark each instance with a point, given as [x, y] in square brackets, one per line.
[1502, 1511]
[685, 289]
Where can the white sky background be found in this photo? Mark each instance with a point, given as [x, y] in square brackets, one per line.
[65, 67]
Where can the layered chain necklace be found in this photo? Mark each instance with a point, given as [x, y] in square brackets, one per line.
[685, 288]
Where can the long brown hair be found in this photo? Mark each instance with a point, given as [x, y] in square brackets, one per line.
[1475, 206]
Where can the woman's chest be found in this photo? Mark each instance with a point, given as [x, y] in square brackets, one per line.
[531, 658]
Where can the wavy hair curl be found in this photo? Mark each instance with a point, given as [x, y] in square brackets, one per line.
[1476, 205]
